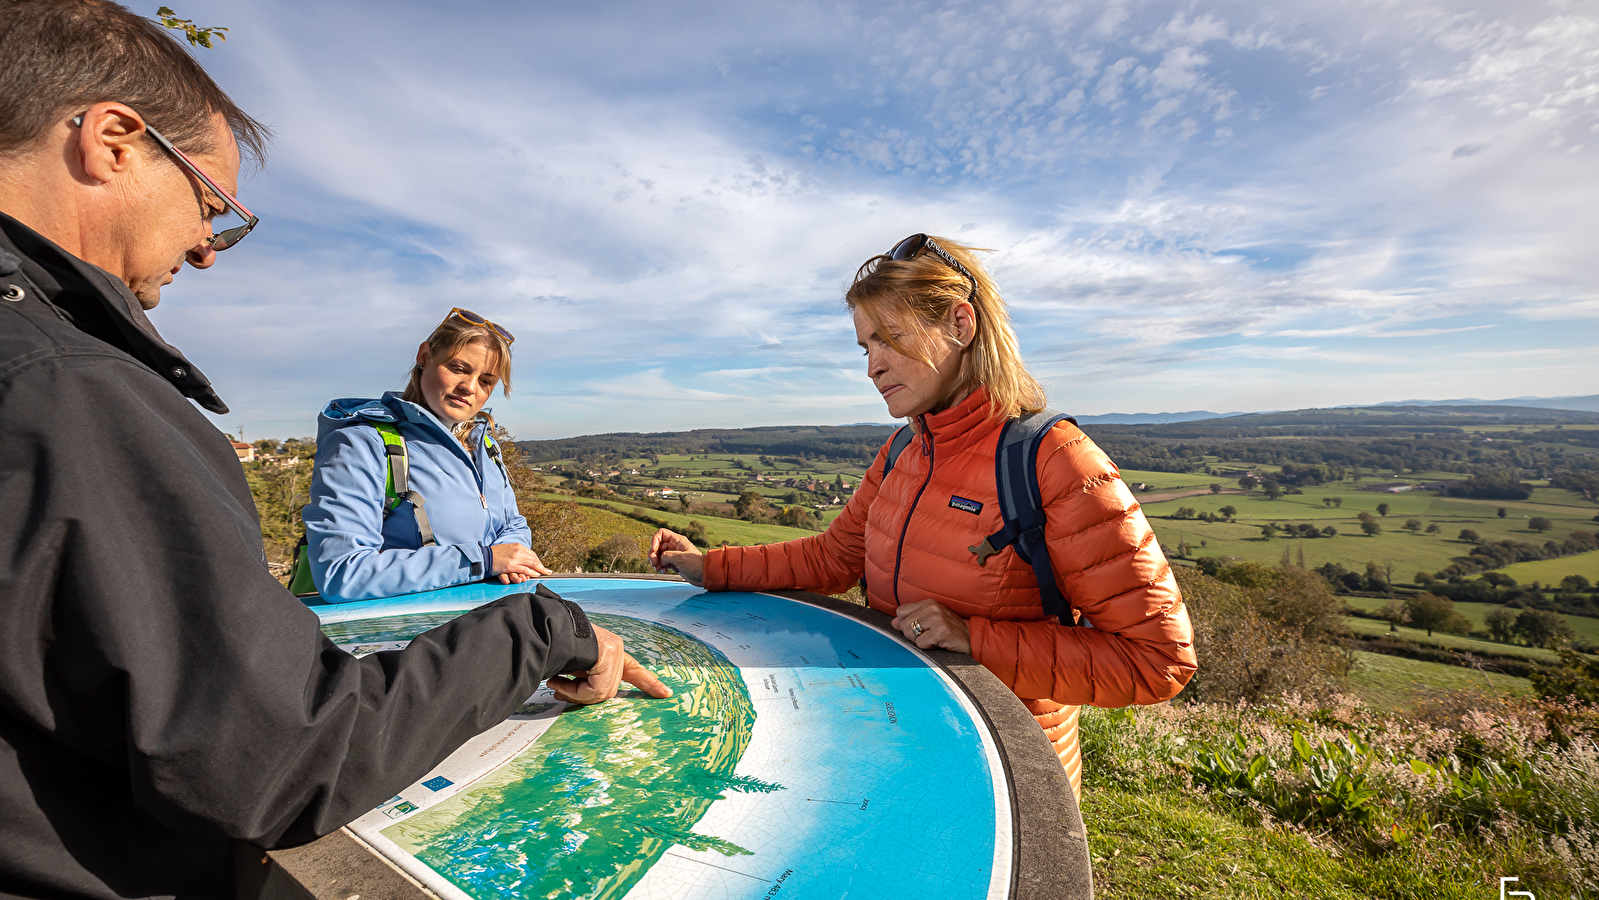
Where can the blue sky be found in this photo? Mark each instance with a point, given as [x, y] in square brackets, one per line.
[1225, 206]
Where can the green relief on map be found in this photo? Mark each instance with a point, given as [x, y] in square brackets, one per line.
[387, 628]
[607, 790]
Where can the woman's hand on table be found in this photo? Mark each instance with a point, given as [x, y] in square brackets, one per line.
[672, 552]
[601, 681]
[514, 563]
[929, 623]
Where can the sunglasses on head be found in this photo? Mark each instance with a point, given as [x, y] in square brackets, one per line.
[474, 319]
[916, 243]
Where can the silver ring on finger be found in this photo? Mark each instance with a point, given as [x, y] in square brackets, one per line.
[916, 628]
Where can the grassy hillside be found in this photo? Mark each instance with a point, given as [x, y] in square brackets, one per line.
[733, 531]
[1551, 571]
[1328, 801]
[1396, 683]
[1408, 552]
[1583, 627]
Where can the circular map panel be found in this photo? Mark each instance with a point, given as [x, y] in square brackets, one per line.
[804, 754]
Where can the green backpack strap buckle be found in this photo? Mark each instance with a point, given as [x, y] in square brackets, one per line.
[398, 487]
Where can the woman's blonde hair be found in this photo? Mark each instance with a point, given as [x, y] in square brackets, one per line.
[452, 336]
[916, 296]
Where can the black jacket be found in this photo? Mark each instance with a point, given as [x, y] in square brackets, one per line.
[160, 692]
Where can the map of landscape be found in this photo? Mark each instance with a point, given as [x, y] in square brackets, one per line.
[803, 754]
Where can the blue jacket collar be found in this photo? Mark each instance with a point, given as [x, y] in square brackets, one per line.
[391, 407]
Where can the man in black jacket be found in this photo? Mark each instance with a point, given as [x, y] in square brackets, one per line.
[160, 693]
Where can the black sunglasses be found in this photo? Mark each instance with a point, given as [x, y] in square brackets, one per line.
[916, 243]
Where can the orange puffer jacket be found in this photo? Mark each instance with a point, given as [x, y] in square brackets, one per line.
[911, 540]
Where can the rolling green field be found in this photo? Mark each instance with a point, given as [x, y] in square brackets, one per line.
[700, 488]
[1396, 683]
[717, 530]
[1585, 628]
[1373, 628]
[1174, 481]
[1407, 552]
[1550, 571]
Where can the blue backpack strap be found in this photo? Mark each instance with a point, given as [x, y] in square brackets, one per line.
[1021, 505]
[896, 445]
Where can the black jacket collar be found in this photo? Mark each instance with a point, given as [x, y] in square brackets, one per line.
[101, 306]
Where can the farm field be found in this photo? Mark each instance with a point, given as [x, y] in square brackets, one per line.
[717, 530]
[1408, 552]
[1374, 628]
[1550, 571]
[729, 469]
[1396, 683]
[602, 523]
[1161, 482]
[1584, 627]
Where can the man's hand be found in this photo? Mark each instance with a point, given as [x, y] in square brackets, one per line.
[931, 624]
[613, 667]
[672, 552]
[515, 563]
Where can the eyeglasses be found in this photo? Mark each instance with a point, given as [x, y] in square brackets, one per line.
[475, 319]
[908, 248]
[222, 240]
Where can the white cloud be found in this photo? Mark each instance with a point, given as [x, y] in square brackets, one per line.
[667, 206]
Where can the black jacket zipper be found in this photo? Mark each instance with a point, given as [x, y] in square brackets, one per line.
[899, 552]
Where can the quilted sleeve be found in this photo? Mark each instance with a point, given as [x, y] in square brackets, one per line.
[1108, 564]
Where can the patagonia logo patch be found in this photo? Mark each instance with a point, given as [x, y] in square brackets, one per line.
[971, 506]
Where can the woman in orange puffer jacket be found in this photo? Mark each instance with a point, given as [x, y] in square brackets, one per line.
[940, 350]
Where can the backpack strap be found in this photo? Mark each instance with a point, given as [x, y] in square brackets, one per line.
[896, 445]
[398, 488]
[494, 454]
[1021, 505]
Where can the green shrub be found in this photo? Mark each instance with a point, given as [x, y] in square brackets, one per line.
[1260, 632]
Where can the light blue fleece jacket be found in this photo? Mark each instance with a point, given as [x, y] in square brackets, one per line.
[357, 554]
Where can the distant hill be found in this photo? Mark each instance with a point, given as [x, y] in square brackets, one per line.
[1589, 402]
[861, 442]
[1153, 418]
[827, 441]
[1380, 417]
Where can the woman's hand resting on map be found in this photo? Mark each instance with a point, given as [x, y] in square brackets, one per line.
[515, 563]
[931, 624]
[614, 666]
[672, 552]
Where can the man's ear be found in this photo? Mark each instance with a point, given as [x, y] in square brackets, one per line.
[109, 140]
[965, 322]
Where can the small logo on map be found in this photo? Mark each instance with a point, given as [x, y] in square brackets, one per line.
[971, 506]
[437, 784]
[400, 809]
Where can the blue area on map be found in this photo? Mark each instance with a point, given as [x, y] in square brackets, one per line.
[437, 784]
[887, 789]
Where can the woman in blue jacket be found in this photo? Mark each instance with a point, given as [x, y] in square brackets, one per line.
[367, 537]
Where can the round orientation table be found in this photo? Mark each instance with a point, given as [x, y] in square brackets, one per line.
[808, 753]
